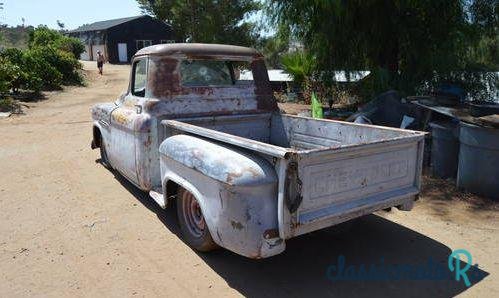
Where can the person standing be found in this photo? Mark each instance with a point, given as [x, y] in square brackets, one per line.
[100, 61]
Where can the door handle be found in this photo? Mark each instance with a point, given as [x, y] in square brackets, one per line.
[138, 109]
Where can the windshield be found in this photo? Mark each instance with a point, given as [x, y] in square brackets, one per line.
[212, 72]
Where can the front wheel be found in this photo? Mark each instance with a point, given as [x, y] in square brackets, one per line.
[103, 154]
[192, 223]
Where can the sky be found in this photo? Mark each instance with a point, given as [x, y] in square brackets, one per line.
[73, 13]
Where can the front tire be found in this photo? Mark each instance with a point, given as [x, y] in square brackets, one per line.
[103, 154]
[192, 223]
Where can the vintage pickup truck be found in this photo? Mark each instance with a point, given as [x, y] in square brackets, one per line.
[243, 175]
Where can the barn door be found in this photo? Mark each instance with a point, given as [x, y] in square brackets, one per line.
[122, 52]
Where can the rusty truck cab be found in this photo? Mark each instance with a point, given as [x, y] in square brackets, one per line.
[158, 91]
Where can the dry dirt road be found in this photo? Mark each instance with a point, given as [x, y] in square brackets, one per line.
[69, 227]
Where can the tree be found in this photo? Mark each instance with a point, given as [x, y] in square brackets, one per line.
[1, 8]
[49, 62]
[273, 46]
[43, 36]
[407, 45]
[61, 25]
[300, 65]
[222, 21]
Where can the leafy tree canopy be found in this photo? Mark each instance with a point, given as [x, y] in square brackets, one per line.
[408, 45]
[49, 62]
[274, 46]
[43, 37]
[215, 21]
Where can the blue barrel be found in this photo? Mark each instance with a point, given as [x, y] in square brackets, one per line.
[444, 149]
[479, 160]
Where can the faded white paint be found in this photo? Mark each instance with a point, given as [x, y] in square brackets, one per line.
[260, 177]
[343, 170]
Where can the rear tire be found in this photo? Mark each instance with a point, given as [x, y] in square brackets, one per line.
[192, 223]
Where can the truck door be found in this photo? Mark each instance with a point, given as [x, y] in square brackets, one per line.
[123, 120]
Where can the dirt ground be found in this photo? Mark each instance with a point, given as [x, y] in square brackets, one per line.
[69, 227]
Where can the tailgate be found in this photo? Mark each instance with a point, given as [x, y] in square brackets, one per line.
[338, 185]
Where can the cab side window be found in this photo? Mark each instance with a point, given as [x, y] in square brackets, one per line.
[139, 78]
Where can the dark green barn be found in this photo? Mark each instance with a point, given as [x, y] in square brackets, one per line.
[120, 39]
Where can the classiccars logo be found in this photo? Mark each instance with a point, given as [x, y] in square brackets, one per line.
[454, 263]
[430, 270]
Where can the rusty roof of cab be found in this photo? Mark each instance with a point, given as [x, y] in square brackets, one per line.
[198, 49]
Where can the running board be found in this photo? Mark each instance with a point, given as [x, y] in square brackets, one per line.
[158, 198]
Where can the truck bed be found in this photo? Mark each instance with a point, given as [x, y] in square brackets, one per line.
[299, 134]
[343, 170]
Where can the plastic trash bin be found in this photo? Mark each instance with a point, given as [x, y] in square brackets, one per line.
[479, 160]
[444, 149]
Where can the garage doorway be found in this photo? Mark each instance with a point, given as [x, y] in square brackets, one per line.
[122, 52]
[97, 48]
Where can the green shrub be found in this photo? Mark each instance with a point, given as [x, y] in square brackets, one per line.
[12, 76]
[6, 104]
[299, 64]
[68, 66]
[39, 65]
[71, 45]
[31, 70]
[63, 62]
[5, 75]
[43, 36]
[12, 55]
[49, 62]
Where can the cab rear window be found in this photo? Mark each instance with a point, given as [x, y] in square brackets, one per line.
[213, 72]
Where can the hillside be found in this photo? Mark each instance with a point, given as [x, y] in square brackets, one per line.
[14, 37]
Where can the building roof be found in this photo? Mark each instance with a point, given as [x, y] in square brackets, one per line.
[279, 75]
[275, 75]
[103, 25]
[198, 49]
[355, 76]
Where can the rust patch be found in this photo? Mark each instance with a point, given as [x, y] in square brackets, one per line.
[164, 79]
[253, 172]
[143, 123]
[121, 116]
[272, 233]
[148, 141]
[236, 225]
[164, 83]
[232, 176]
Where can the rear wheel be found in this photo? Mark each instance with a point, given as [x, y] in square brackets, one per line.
[192, 223]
